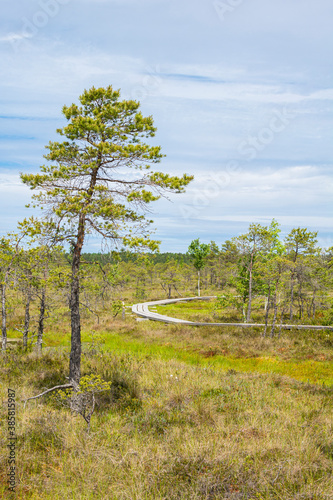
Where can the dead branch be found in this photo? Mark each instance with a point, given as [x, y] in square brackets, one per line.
[177, 291]
[64, 386]
[90, 310]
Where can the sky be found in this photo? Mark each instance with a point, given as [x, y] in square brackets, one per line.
[240, 91]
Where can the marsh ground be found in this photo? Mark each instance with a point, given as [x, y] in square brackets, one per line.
[194, 413]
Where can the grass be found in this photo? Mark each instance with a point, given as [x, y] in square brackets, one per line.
[197, 433]
[200, 310]
[306, 370]
[193, 413]
[204, 311]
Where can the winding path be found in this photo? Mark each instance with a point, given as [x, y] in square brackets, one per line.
[142, 310]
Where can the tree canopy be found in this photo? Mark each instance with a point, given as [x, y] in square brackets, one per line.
[99, 180]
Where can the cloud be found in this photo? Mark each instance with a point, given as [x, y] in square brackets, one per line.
[283, 219]
[299, 190]
[14, 37]
[210, 86]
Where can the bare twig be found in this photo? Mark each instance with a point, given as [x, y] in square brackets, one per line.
[90, 310]
[177, 291]
[64, 386]
[279, 472]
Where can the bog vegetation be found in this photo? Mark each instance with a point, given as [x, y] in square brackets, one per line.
[256, 277]
[110, 407]
[179, 412]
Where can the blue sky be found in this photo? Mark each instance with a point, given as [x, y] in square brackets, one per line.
[240, 90]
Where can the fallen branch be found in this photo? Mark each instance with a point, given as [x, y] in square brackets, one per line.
[65, 386]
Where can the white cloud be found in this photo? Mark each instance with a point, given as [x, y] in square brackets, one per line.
[288, 220]
[209, 86]
[13, 189]
[222, 196]
[325, 94]
[14, 37]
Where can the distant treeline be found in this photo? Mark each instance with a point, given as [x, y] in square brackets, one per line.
[125, 256]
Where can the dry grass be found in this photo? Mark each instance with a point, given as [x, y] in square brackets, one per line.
[193, 413]
[177, 432]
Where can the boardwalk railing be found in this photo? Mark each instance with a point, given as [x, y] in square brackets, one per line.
[142, 310]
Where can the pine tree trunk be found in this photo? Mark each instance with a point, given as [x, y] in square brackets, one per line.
[301, 302]
[281, 321]
[74, 302]
[248, 316]
[292, 284]
[267, 311]
[41, 322]
[314, 305]
[198, 283]
[75, 356]
[27, 319]
[291, 298]
[4, 318]
[275, 311]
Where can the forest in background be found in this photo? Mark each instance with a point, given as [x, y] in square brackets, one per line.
[255, 276]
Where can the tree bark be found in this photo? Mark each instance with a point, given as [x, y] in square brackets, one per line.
[275, 310]
[4, 318]
[281, 321]
[40, 331]
[314, 305]
[199, 283]
[74, 302]
[248, 316]
[300, 301]
[75, 355]
[27, 318]
[292, 284]
[291, 298]
[301, 310]
[267, 310]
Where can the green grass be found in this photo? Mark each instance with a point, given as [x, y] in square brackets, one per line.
[204, 311]
[306, 371]
[306, 356]
[167, 342]
[200, 310]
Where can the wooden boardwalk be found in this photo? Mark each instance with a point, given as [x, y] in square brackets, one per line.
[143, 311]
